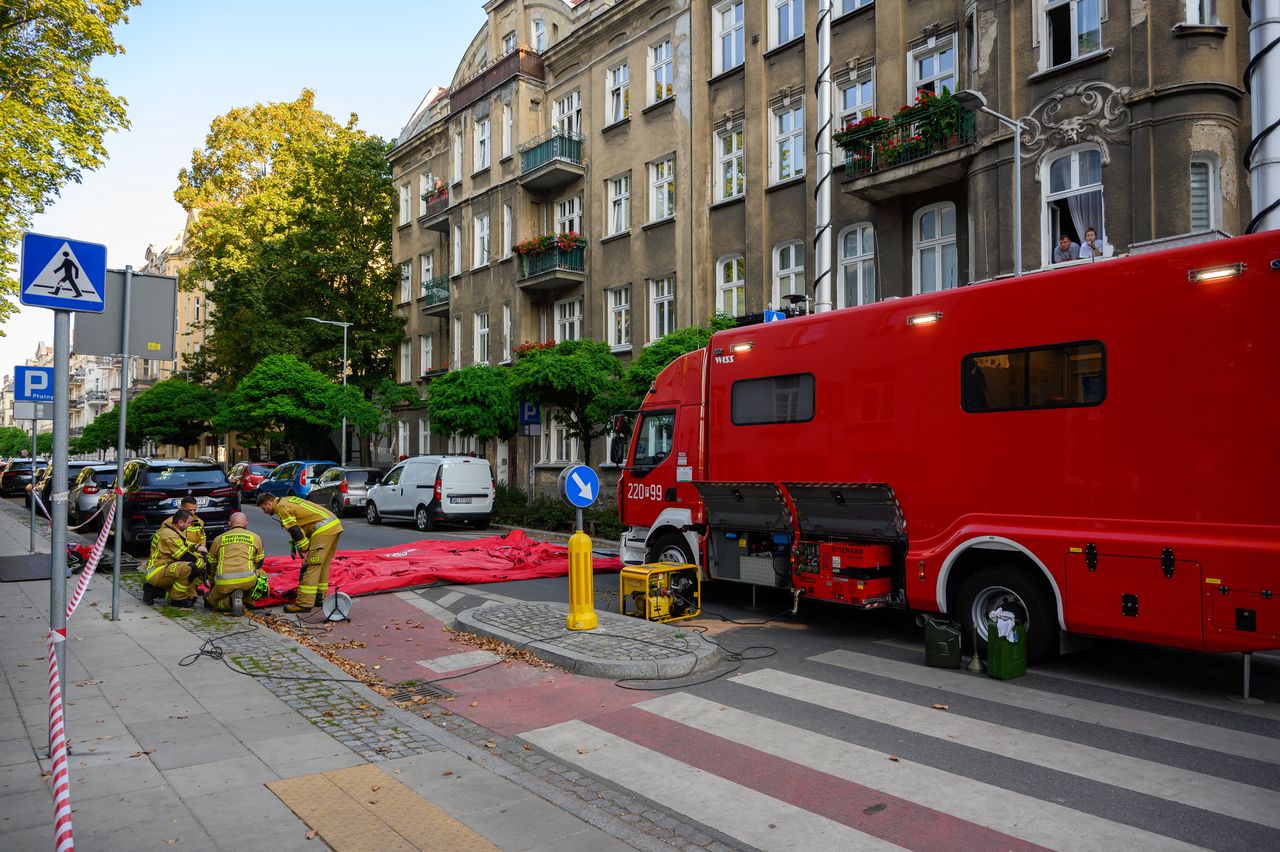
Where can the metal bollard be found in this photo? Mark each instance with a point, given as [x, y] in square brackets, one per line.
[582, 613]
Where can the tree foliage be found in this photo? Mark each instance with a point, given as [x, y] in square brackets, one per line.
[475, 402]
[295, 221]
[44, 443]
[13, 441]
[54, 113]
[102, 432]
[574, 377]
[657, 355]
[174, 411]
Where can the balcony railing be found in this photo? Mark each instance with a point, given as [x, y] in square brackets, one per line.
[553, 268]
[911, 136]
[434, 205]
[95, 396]
[555, 145]
[520, 61]
[435, 292]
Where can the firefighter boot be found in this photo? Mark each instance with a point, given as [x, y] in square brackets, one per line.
[237, 603]
[185, 603]
[149, 593]
[297, 607]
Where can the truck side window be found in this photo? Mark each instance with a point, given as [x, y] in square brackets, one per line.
[653, 438]
[1067, 375]
[775, 399]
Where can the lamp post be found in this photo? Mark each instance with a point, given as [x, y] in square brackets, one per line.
[969, 99]
[345, 326]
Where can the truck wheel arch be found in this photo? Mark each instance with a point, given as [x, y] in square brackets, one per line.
[973, 554]
[677, 522]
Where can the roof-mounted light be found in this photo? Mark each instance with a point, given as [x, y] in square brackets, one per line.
[739, 348]
[1210, 274]
[924, 319]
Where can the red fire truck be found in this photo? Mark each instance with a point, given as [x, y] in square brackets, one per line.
[1096, 448]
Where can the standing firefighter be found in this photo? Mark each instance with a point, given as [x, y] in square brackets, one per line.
[235, 562]
[172, 564]
[315, 532]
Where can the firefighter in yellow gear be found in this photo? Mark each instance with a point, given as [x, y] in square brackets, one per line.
[196, 538]
[314, 531]
[171, 566]
[235, 560]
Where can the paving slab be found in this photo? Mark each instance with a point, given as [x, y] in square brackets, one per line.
[192, 782]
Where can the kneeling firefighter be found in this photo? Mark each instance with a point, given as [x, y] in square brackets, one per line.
[235, 562]
[314, 531]
[172, 564]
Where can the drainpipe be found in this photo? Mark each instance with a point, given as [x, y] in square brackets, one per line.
[1262, 157]
[822, 192]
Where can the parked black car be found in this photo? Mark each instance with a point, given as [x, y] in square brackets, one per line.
[153, 489]
[16, 478]
[344, 489]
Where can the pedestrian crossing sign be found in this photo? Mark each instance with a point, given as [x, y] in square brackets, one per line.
[62, 274]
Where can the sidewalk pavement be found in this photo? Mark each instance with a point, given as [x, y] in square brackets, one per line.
[164, 754]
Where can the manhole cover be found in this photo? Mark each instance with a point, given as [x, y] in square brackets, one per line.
[427, 690]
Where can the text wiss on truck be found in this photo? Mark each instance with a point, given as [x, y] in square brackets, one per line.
[1093, 448]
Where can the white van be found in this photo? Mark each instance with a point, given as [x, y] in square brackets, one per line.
[432, 490]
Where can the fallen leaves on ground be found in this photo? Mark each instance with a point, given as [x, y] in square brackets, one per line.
[474, 704]
[490, 744]
[502, 649]
[942, 707]
[311, 835]
[447, 772]
[894, 758]
[143, 752]
[92, 682]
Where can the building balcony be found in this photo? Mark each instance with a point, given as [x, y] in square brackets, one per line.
[436, 215]
[523, 61]
[551, 161]
[923, 148]
[552, 269]
[435, 296]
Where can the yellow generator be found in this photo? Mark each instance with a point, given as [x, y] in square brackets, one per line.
[660, 591]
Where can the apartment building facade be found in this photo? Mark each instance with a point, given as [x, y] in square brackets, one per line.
[677, 141]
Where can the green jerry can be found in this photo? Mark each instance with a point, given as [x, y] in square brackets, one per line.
[941, 643]
[1006, 659]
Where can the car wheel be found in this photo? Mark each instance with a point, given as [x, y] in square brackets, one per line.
[371, 514]
[336, 508]
[1011, 589]
[670, 547]
[423, 521]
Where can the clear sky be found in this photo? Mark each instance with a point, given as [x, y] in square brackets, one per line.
[187, 62]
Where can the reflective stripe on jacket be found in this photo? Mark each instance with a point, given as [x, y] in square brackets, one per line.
[195, 534]
[313, 520]
[168, 545]
[236, 555]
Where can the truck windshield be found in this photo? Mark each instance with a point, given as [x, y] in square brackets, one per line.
[653, 438]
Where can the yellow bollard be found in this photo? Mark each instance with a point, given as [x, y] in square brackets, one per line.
[582, 611]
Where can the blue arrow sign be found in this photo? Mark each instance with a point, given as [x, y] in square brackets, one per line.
[774, 316]
[62, 274]
[33, 384]
[581, 486]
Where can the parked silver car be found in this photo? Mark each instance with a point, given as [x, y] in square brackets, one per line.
[344, 489]
[90, 486]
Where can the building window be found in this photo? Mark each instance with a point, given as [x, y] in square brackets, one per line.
[402, 437]
[731, 178]
[618, 83]
[507, 224]
[508, 42]
[456, 249]
[480, 154]
[933, 67]
[457, 156]
[787, 143]
[506, 332]
[406, 360]
[481, 245]
[558, 445]
[618, 322]
[1073, 197]
[857, 266]
[661, 72]
[731, 286]
[619, 190]
[1206, 212]
[538, 34]
[457, 343]
[788, 272]
[568, 320]
[567, 115]
[427, 266]
[406, 282]
[424, 436]
[847, 6]
[935, 265]
[662, 189]
[426, 354]
[857, 99]
[970, 48]
[569, 215]
[425, 184]
[786, 22]
[729, 48]
[507, 131]
[662, 307]
[406, 208]
[1203, 12]
[1073, 28]
[480, 341]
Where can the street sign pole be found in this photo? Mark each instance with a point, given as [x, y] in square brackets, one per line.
[58, 491]
[34, 433]
[121, 436]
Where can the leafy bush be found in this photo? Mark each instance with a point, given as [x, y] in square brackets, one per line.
[509, 505]
[513, 507]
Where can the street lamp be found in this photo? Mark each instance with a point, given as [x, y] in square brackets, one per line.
[345, 326]
[971, 100]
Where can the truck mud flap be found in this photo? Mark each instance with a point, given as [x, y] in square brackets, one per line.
[859, 511]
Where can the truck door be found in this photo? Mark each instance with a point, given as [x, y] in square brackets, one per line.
[649, 483]
[1122, 591]
[748, 532]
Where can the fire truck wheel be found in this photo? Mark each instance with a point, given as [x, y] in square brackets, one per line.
[1032, 604]
[670, 547]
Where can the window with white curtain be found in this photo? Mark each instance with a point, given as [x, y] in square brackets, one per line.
[406, 282]
[424, 436]
[568, 320]
[662, 307]
[506, 332]
[406, 207]
[788, 272]
[427, 262]
[457, 155]
[731, 179]
[569, 215]
[857, 266]
[507, 224]
[619, 211]
[618, 322]
[786, 153]
[1073, 28]
[1073, 196]
[728, 51]
[618, 96]
[538, 34]
[425, 182]
[1203, 12]
[457, 343]
[406, 360]
[731, 285]
[507, 130]
[480, 247]
[933, 67]
[480, 140]
[934, 261]
[480, 340]
[426, 356]
[662, 189]
[558, 445]
[1206, 205]
[456, 249]
[786, 21]
[661, 72]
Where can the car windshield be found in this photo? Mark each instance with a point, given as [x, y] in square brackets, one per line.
[173, 477]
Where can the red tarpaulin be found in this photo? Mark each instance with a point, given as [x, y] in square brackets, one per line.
[495, 559]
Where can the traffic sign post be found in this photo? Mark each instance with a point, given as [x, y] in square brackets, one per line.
[580, 488]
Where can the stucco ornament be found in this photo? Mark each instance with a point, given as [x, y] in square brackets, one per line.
[1089, 112]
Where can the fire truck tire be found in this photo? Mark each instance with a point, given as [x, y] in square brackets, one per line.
[670, 547]
[1004, 587]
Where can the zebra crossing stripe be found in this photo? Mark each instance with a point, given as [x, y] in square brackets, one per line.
[1013, 694]
[1015, 814]
[1193, 789]
[746, 815]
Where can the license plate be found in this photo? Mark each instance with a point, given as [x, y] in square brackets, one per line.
[459, 499]
[175, 502]
[360, 502]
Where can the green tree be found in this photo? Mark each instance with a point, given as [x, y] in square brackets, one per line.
[174, 411]
[295, 221]
[44, 443]
[54, 113]
[13, 441]
[656, 356]
[102, 432]
[575, 378]
[474, 402]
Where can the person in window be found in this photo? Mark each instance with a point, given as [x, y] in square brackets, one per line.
[1065, 250]
[1092, 246]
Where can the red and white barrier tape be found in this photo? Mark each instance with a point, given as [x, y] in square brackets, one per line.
[91, 564]
[35, 495]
